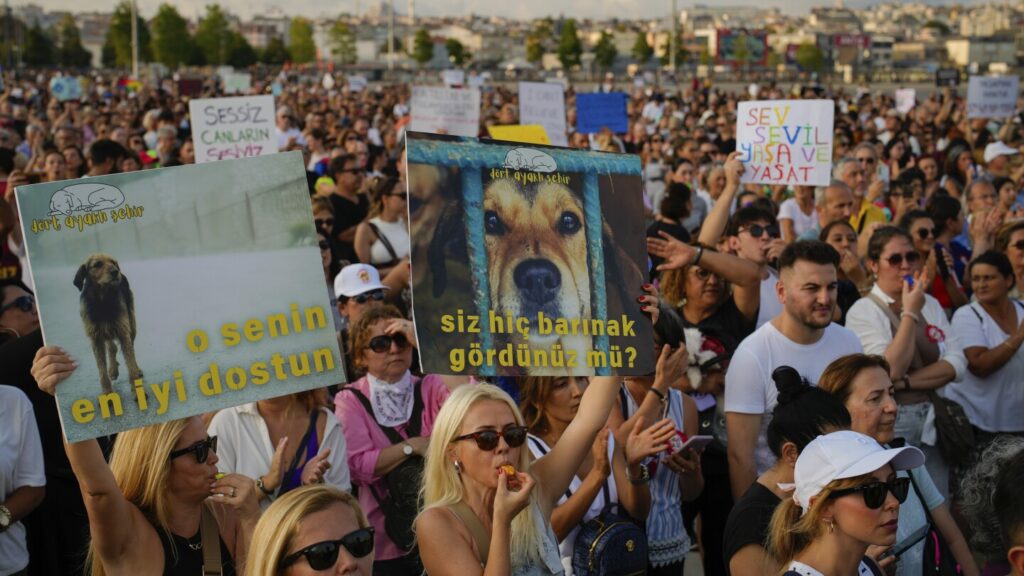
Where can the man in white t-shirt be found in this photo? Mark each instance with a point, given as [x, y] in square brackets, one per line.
[22, 478]
[801, 336]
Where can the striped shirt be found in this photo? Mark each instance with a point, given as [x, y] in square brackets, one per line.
[667, 539]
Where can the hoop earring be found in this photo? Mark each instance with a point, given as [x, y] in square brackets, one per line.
[458, 467]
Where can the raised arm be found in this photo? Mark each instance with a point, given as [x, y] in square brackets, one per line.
[714, 225]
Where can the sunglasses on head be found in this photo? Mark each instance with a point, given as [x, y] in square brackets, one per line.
[201, 450]
[874, 492]
[381, 344]
[488, 439]
[363, 298]
[897, 259]
[756, 230]
[924, 233]
[324, 555]
[24, 303]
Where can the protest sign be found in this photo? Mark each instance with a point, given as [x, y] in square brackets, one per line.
[230, 128]
[947, 77]
[527, 260]
[454, 78]
[601, 110]
[357, 83]
[525, 133]
[190, 87]
[445, 110]
[66, 88]
[906, 99]
[328, 81]
[786, 141]
[226, 302]
[237, 82]
[992, 96]
[544, 103]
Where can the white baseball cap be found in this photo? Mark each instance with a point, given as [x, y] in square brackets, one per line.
[997, 149]
[844, 454]
[356, 279]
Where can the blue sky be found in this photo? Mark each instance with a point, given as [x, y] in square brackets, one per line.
[518, 9]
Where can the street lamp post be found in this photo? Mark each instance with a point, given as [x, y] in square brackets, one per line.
[672, 37]
[135, 41]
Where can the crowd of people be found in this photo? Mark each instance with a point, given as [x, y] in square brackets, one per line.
[852, 350]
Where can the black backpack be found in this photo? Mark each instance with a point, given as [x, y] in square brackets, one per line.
[402, 503]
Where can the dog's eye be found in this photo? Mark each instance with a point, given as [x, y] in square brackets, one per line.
[568, 223]
[493, 224]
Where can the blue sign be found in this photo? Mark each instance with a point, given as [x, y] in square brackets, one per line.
[66, 88]
[599, 110]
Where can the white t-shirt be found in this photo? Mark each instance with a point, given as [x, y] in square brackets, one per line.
[397, 233]
[749, 388]
[790, 210]
[770, 307]
[805, 570]
[21, 464]
[243, 446]
[994, 403]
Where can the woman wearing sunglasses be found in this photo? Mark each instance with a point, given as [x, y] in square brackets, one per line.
[945, 287]
[383, 238]
[1010, 241]
[846, 497]
[146, 507]
[862, 383]
[480, 518]
[387, 417]
[312, 530]
[910, 329]
[18, 315]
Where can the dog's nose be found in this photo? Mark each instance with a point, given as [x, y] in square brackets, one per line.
[538, 280]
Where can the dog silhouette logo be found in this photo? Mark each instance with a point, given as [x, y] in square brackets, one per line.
[85, 197]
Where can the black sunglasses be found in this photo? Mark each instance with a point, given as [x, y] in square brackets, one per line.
[756, 230]
[924, 233]
[874, 492]
[324, 245]
[897, 259]
[324, 555]
[326, 222]
[381, 344]
[377, 295]
[25, 303]
[488, 439]
[866, 160]
[201, 450]
[1019, 244]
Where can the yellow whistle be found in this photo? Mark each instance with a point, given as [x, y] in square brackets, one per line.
[220, 475]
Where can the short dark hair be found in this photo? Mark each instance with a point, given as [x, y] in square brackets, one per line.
[802, 414]
[814, 251]
[883, 236]
[674, 203]
[911, 174]
[103, 150]
[338, 164]
[943, 208]
[996, 259]
[1009, 502]
[746, 216]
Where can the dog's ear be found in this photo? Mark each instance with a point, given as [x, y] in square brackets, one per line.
[80, 277]
[618, 265]
[449, 231]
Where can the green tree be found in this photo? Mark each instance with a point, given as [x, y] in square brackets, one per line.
[642, 50]
[39, 49]
[275, 52]
[172, 44]
[343, 42]
[70, 51]
[605, 50]
[666, 51]
[809, 57]
[537, 40]
[422, 47]
[301, 45]
[108, 56]
[741, 50]
[9, 48]
[569, 46]
[941, 27]
[213, 36]
[457, 53]
[241, 54]
[119, 35]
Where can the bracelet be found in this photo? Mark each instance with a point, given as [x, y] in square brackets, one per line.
[700, 253]
[911, 315]
[658, 393]
[645, 475]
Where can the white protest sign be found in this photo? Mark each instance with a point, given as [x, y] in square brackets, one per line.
[992, 96]
[66, 88]
[454, 78]
[237, 82]
[906, 99]
[477, 80]
[446, 111]
[786, 141]
[229, 128]
[544, 103]
[357, 83]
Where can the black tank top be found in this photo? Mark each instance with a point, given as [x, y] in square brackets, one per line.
[184, 556]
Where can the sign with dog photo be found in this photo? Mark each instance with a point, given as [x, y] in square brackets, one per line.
[180, 291]
[526, 259]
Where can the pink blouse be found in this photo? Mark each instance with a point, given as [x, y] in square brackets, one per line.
[365, 440]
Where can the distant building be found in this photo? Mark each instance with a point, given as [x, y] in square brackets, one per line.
[982, 51]
[265, 27]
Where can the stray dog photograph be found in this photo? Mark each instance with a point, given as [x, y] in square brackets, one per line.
[108, 316]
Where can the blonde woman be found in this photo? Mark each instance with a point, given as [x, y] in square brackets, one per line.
[311, 530]
[146, 508]
[468, 491]
[846, 497]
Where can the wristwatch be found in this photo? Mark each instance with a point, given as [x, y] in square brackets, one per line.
[407, 449]
[6, 518]
[262, 487]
